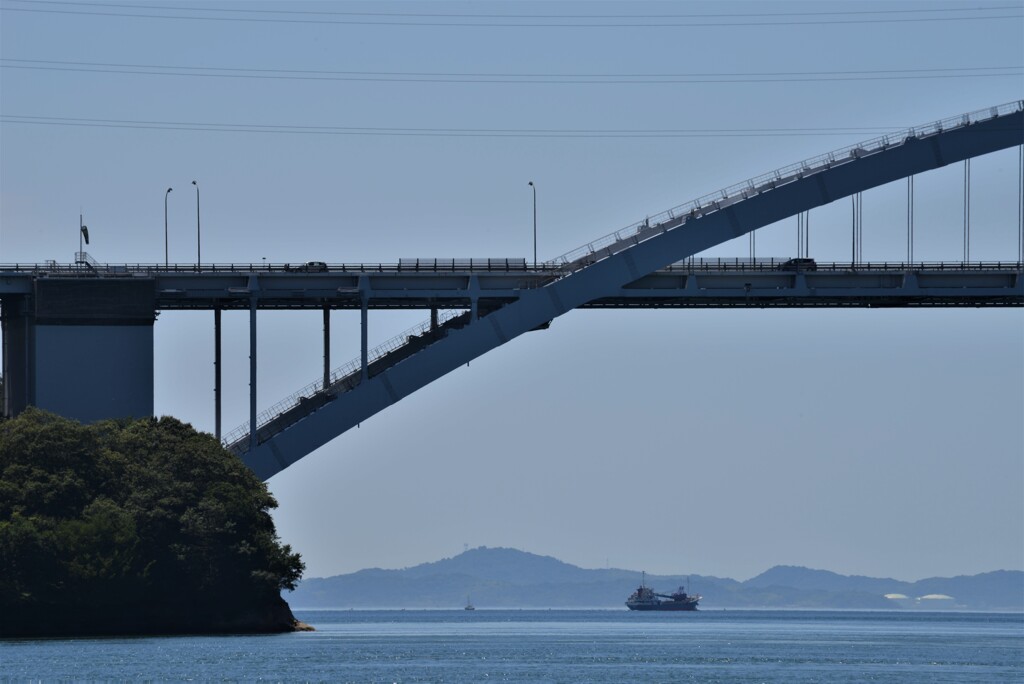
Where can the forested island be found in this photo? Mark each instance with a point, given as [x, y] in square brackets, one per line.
[134, 527]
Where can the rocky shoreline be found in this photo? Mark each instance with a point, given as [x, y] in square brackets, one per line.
[151, 620]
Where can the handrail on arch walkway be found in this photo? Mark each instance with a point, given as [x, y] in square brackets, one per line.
[654, 225]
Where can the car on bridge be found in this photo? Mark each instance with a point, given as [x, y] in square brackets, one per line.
[799, 264]
[308, 267]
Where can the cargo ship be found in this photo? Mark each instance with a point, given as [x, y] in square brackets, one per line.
[645, 598]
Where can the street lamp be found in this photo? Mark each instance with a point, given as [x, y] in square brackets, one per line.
[534, 223]
[166, 262]
[199, 237]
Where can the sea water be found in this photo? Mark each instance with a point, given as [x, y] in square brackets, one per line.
[558, 646]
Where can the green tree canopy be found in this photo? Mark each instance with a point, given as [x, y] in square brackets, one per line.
[134, 526]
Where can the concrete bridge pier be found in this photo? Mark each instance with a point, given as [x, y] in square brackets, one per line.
[82, 349]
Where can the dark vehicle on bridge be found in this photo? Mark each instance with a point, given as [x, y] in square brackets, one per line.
[308, 267]
[800, 264]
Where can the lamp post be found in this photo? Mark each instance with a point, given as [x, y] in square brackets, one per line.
[199, 235]
[166, 261]
[534, 223]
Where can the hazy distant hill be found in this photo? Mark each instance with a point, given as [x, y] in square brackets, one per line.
[999, 590]
[508, 578]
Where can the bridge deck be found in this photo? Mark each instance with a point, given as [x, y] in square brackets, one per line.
[700, 283]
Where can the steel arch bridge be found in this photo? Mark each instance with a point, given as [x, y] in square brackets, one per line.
[604, 267]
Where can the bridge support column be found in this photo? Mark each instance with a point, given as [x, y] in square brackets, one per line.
[474, 298]
[16, 322]
[327, 346]
[216, 371]
[252, 372]
[364, 352]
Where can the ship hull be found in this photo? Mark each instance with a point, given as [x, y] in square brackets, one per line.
[668, 605]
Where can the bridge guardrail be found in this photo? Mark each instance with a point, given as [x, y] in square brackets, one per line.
[121, 270]
[517, 266]
[745, 265]
[539, 277]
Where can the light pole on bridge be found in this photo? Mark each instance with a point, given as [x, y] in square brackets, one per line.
[166, 261]
[534, 223]
[199, 235]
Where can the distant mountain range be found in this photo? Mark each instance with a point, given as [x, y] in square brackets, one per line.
[509, 578]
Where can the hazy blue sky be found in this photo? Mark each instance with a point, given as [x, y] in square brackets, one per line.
[880, 442]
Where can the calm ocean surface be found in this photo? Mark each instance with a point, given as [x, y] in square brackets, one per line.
[559, 646]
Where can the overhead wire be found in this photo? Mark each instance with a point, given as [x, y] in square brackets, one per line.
[434, 132]
[567, 79]
[528, 74]
[521, 78]
[916, 10]
[695, 21]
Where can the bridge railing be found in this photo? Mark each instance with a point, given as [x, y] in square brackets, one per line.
[669, 219]
[439, 265]
[338, 376]
[121, 270]
[746, 265]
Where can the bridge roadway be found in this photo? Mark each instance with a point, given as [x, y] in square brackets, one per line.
[701, 283]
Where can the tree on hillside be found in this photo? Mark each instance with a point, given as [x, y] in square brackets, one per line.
[134, 526]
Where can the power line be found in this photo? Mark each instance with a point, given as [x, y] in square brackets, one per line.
[452, 15]
[433, 132]
[523, 75]
[572, 79]
[490, 24]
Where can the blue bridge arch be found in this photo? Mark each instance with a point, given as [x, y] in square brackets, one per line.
[603, 267]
